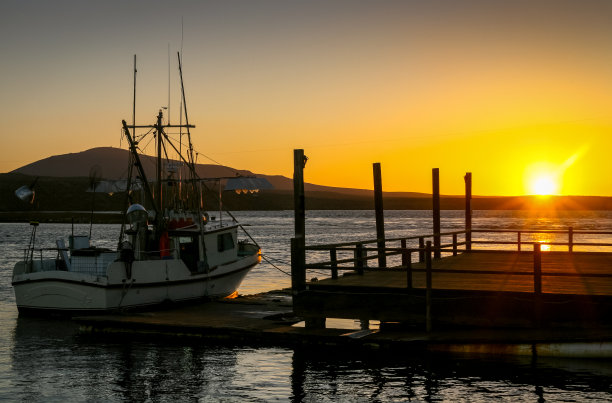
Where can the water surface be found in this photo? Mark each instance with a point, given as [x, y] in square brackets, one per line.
[44, 360]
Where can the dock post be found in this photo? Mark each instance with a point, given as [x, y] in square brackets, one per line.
[298, 244]
[380, 220]
[454, 244]
[421, 249]
[428, 286]
[435, 176]
[299, 205]
[570, 240]
[537, 283]
[298, 265]
[407, 263]
[468, 210]
[333, 257]
[359, 261]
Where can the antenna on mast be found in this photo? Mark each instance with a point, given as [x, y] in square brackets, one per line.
[134, 101]
[180, 118]
[185, 110]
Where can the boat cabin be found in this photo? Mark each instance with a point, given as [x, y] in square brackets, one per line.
[201, 249]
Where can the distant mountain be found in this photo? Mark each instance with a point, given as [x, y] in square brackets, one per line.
[112, 163]
[61, 191]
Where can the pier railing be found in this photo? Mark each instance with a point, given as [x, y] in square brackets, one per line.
[368, 254]
[359, 256]
[530, 237]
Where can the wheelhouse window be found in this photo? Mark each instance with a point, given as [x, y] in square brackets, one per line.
[225, 242]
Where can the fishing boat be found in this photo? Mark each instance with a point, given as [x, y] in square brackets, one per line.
[169, 251]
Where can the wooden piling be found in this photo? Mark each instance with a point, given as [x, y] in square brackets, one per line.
[333, 258]
[407, 263]
[380, 220]
[435, 174]
[428, 282]
[570, 240]
[298, 265]
[537, 268]
[359, 260]
[299, 205]
[421, 249]
[298, 244]
[537, 283]
[468, 210]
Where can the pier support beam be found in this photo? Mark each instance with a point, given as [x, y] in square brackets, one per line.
[537, 284]
[468, 211]
[299, 204]
[298, 265]
[428, 286]
[380, 219]
[298, 244]
[435, 177]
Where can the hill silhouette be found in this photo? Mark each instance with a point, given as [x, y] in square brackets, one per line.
[63, 181]
[113, 165]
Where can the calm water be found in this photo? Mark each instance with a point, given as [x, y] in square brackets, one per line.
[47, 360]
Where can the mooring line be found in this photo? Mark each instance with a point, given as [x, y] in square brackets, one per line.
[273, 265]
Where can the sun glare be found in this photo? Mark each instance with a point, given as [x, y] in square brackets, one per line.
[544, 184]
[542, 179]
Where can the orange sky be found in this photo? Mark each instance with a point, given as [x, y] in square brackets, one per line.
[502, 89]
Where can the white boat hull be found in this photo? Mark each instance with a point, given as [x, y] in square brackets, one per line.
[152, 282]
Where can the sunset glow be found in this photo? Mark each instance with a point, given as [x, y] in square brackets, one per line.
[459, 86]
[544, 184]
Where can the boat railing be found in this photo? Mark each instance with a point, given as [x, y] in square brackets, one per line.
[50, 259]
[43, 259]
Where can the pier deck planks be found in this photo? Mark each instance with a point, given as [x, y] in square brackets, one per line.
[562, 273]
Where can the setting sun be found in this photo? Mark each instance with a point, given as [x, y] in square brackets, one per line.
[543, 179]
[544, 185]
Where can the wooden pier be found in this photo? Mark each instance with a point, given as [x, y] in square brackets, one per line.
[476, 288]
[470, 278]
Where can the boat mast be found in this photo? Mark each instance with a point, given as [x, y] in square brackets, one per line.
[143, 176]
[134, 103]
[159, 128]
[194, 175]
[128, 185]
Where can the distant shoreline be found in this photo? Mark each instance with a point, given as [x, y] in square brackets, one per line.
[78, 217]
[62, 199]
[116, 217]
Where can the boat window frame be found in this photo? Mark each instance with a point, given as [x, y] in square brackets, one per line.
[225, 242]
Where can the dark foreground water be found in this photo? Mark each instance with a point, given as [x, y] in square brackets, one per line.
[44, 360]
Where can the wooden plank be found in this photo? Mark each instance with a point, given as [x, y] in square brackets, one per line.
[562, 273]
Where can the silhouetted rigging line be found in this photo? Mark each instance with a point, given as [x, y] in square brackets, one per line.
[143, 149]
[200, 153]
[142, 136]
